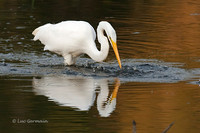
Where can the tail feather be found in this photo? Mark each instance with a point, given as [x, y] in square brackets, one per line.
[35, 31]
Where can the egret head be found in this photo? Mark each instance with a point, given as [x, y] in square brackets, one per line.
[112, 37]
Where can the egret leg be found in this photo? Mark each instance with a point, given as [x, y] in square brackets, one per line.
[68, 59]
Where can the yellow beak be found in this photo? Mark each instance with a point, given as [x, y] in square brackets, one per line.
[114, 94]
[116, 52]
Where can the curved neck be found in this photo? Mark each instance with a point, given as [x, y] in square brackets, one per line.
[94, 53]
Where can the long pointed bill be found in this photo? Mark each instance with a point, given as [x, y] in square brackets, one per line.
[116, 52]
[114, 94]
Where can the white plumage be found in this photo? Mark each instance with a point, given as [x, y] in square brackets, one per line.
[73, 38]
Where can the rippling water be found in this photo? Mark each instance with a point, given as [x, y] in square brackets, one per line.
[158, 84]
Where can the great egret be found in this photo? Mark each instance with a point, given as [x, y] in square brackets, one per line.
[73, 38]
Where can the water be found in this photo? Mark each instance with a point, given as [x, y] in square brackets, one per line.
[159, 82]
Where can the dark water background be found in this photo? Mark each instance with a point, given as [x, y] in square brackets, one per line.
[158, 43]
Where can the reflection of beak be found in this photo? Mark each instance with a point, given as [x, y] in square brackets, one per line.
[116, 52]
[114, 94]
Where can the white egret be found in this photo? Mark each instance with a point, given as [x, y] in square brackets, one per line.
[73, 38]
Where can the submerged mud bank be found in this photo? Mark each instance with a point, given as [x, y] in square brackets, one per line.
[132, 70]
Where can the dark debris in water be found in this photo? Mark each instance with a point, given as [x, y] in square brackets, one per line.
[131, 71]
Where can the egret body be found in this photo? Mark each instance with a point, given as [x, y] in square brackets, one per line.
[73, 38]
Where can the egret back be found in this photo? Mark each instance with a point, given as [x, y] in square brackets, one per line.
[66, 36]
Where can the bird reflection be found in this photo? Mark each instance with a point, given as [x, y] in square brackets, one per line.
[78, 92]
